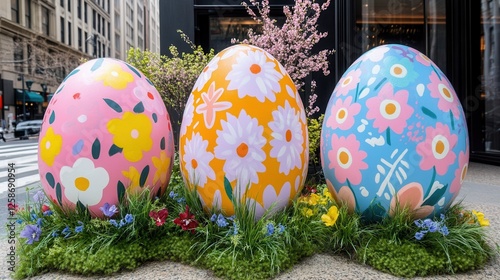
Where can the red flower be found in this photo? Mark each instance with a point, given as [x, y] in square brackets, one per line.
[159, 216]
[186, 221]
[12, 206]
[45, 208]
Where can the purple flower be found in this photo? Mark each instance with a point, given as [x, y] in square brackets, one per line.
[428, 223]
[444, 230]
[122, 223]
[108, 210]
[38, 197]
[79, 228]
[213, 218]
[39, 222]
[48, 213]
[433, 227]
[129, 218]
[32, 233]
[419, 235]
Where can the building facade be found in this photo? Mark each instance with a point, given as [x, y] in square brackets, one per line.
[42, 41]
[461, 37]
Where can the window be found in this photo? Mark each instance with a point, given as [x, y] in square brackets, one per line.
[109, 31]
[79, 38]
[85, 12]
[79, 8]
[61, 2]
[27, 13]
[62, 30]
[103, 27]
[117, 43]
[69, 34]
[69, 5]
[98, 23]
[94, 19]
[45, 21]
[18, 55]
[86, 43]
[103, 51]
[117, 21]
[14, 10]
[130, 31]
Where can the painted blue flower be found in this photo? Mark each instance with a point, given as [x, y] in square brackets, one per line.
[399, 71]
[129, 218]
[79, 228]
[270, 229]
[108, 210]
[66, 232]
[419, 235]
[32, 233]
[221, 221]
[113, 222]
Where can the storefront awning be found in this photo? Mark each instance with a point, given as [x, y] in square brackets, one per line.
[29, 96]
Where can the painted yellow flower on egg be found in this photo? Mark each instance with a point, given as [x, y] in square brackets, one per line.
[132, 133]
[113, 76]
[481, 219]
[133, 175]
[50, 146]
[331, 217]
[162, 164]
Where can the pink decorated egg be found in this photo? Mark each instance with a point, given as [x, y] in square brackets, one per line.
[106, 133]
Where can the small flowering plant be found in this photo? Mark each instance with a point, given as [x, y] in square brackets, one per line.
[429, 226]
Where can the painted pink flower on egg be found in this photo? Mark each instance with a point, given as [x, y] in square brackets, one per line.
[342, 114]
[348, 82]
[437, 149]
[346, 159]
[442, 90]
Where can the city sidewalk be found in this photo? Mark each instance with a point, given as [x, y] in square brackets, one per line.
[480, 191]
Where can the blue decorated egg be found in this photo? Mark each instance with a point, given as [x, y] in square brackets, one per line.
[394, 135]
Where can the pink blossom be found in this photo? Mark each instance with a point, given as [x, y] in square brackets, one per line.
[437, 149]
[463, 166]
[348, 82]
[442, 90]
[389, 109]
[346, 159]
[342, 114]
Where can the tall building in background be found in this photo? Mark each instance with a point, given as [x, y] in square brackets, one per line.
[41, 41]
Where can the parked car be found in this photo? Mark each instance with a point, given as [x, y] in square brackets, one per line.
[27, 128]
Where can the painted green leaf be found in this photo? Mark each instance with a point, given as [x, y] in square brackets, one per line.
[155, 118]
[452, 120]
[113, 150]
[96, 148]
[429, 113]
[50, 179]
[436, 196]
[134, 70]
[81, 208]
[149, 81]
[228, 188]
[52, 117]
[113, 105]
[97, 64]
[59, 194]
[162, 143]
[59, 89]
[121, 190]
[139, 108]
[144, 176]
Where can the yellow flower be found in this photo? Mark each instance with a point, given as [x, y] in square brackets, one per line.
[313, 199]
[50, 146]
[331, 217]
[132, 133]
[133, 175]
[307, 212]
[480, 218]
[327, 194]
[162, 164]
[115, 77]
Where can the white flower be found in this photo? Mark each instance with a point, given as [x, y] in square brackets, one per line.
[197, 160]
[230, 51]
[206, 74]
[240, 144]
[254, 76]
[149, 96]
[287, 142]
[293, 93]
[187, 117]
[83, 182]
[271, 198]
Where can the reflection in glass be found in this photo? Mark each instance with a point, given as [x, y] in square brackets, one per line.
[490, 49]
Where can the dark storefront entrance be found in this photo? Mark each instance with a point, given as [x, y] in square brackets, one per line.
[461, 37]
